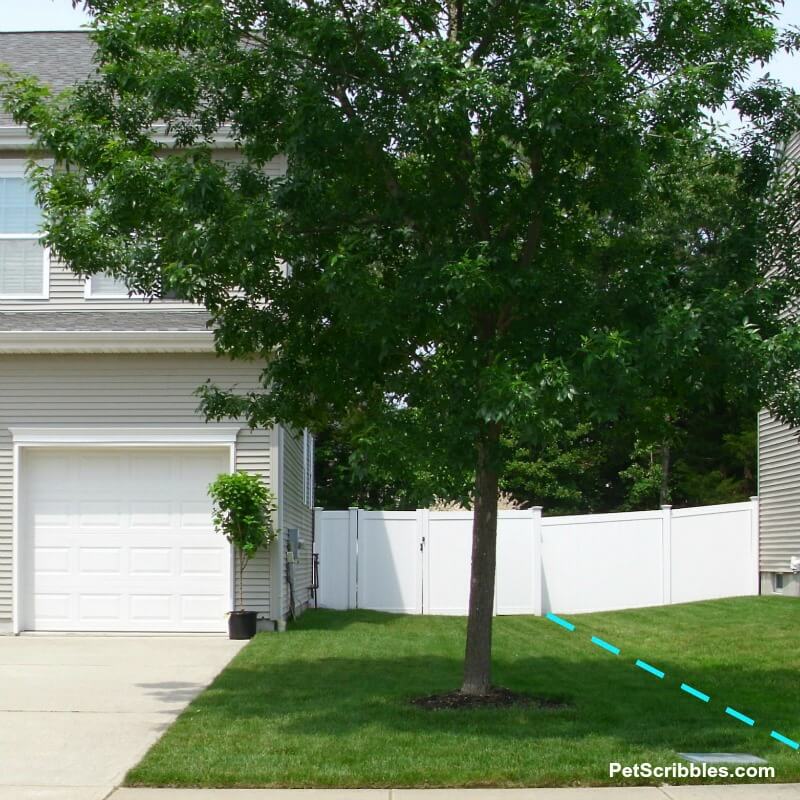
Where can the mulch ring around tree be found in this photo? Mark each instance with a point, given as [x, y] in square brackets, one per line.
[498, 697]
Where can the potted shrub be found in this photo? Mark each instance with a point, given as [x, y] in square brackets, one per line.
[243, 509]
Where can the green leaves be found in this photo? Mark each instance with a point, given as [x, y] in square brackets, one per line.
[243, 509]
[514, 214]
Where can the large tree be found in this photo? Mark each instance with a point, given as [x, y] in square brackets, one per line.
[492, 211]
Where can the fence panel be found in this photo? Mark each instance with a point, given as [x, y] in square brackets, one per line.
[711, 552]
[601, 562]
[389, 561]
[448, 556]
[335, 543]
[519, 570]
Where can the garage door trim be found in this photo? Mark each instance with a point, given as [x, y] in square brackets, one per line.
[56, 436]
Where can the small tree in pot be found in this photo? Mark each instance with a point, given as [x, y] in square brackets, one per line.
[243, 509]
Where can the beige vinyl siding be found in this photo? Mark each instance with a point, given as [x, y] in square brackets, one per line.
[118, 390]
[296, 514]
[779, 493]
[65, 286]
[253, 455]
[793, 151]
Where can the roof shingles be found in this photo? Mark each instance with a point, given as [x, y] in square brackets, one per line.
[107, 321]
[58, 59]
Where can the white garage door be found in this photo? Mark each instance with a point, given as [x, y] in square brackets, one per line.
[122, 540]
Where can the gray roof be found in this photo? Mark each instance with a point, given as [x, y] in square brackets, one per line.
[116, 321]
[57, 58]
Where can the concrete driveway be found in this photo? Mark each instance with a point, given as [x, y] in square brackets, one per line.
[76, 712]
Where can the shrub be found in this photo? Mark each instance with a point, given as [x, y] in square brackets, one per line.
[243, 508]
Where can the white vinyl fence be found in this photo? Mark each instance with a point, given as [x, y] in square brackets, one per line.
[418, 562]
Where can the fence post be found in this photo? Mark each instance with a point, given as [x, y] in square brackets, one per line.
[755, 546]
[666, 554]
[316, 551]
[423, 539]
[317, 529]
[536, 558]
[352, 556]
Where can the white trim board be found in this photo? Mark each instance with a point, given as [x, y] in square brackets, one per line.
[51, 435]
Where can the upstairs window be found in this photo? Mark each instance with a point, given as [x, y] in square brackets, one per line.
[23, 260]
[107, 287]
[102, 285]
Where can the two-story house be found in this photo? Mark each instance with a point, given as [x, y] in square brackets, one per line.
[105, 462]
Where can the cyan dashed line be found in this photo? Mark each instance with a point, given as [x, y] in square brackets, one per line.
[648, 668]
[741, 717]
[684, 686]
[562, 622]
[785, 740]
[695, 692]
[605, 645]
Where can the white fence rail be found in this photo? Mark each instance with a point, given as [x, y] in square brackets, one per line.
[418, 562]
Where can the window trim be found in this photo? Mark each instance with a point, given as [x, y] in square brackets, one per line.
[45, 294]
[15, 168]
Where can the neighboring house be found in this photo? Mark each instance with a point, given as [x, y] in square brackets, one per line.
[104, 461]
[779, 492]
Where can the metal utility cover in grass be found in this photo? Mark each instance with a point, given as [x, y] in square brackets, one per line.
[722, 758]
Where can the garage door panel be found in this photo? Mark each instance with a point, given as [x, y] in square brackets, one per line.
[54, 474]
[104, 514]
[151, 514]
[53, 560]
[95, 607]
[152, 561]
[127, 545]
[151, 607]
[101, 464]
[100, 561]
[200, 607]
[53, 607]
[52, 513]
[201, 561]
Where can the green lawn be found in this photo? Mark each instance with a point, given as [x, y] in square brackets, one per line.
[326, 704]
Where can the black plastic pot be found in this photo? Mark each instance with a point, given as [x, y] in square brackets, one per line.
[242, 624]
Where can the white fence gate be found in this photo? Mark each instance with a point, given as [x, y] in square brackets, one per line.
[418, 562]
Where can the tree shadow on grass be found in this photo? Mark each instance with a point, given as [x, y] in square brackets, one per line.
[325, 619]
[333, 696]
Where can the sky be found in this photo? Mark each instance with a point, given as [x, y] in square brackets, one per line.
[37, 15]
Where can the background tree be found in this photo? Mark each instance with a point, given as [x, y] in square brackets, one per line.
[488, 209]
[345, 475]
[589, 468]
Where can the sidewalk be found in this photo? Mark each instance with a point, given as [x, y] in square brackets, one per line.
[752, 791]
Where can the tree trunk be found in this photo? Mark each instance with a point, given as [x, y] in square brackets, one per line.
[665, 464]
[478, 656]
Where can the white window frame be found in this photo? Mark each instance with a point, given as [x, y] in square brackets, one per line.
[91, 295]
[308, 468]
[15, 168]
